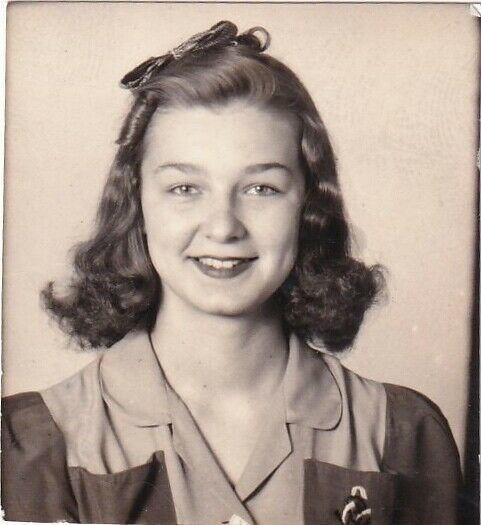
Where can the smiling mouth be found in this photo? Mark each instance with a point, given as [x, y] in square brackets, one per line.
[224, 267]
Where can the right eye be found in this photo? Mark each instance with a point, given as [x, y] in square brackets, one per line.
[184, 189]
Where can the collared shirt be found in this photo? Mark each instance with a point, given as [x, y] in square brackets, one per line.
[115, 444]
[144, 415]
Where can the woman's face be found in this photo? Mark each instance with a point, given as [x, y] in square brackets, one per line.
[222, 191]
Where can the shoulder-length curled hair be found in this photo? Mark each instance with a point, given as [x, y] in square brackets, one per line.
[115, 288]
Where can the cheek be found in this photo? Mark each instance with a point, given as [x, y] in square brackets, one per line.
[281, 238]
[165, 239]
[165, 234]
[162, 223]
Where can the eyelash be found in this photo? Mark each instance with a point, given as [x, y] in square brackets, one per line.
[183, 189]
[266, 190]
[263, 190]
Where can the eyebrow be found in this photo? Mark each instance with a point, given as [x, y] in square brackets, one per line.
[181, 166]
[252, 169]
[265, 166]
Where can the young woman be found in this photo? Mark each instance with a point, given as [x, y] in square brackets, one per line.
[221, 250]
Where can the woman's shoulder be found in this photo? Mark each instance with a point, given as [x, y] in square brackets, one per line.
[28, 426]
[417, 434]
[401, 403]
[420, 449]
[405, 404]
[24, 416]
[33, 457]
[72, 399]
[33, 415]
[413, 423]
[27, 402]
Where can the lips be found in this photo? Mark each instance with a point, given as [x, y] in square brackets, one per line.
[222, 267]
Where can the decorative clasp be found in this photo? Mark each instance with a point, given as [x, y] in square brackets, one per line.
[356, 510]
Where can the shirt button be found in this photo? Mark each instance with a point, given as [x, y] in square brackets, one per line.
[237, 520]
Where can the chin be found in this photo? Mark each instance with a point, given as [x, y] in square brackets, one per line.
[226, 310]
[230, 307]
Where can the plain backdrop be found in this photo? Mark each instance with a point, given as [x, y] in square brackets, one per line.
[397, 86]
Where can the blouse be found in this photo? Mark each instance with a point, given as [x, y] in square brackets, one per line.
[115, 444]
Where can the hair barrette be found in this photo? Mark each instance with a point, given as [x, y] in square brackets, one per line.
[221, 34]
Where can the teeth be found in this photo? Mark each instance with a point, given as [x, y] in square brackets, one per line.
[218, 264]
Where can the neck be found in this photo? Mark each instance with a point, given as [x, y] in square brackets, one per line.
[211, 355]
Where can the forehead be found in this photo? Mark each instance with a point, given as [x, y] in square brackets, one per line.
[237, 132]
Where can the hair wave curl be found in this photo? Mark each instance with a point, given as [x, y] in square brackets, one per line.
[115, 288]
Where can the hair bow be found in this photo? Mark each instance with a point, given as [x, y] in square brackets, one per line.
[221, 34]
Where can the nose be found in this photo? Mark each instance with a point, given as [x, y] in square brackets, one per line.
[222, 223]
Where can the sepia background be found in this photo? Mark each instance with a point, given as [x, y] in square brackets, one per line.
[397, 86]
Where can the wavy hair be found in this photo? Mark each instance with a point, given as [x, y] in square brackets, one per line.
[115, 288]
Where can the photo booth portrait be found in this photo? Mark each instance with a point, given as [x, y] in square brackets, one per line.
[240, 264]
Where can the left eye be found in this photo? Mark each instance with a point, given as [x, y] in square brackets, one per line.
[262, 190]
[184, 189]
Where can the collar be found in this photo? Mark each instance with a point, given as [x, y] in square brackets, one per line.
[312, 395]
[132, 383]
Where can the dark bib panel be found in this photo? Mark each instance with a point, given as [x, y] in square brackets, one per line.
[35, 481]
[327, 486]
[138, 495]
[418, 485]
